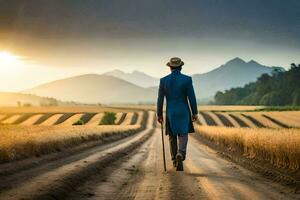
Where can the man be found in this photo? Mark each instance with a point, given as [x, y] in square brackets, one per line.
[181, 101]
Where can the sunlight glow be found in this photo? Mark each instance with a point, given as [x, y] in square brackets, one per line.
[9, 62]
[7, 58]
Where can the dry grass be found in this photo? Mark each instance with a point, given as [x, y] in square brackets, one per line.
[118, 118]
[290, 118]
[17, 142]
[63, 109]
[280, 147]
[215, 118]
[51, 120]
[2, 117]
[227, 108]
[95, 121]
[202, 120]
[230, 119]
[139, 118]
[266, 122]
[71, 120]
[248, 122]
[200, 107]
[11, 119]
[31, 120]
[128, 119]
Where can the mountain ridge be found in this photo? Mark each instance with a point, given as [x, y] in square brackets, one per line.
[234, 73]
[93, 88]
[136, 77]
[108, 88]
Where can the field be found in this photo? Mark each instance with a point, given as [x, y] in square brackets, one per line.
[267, 136]
[66, 116]
[46, 153]
[200, 107]
[279, 147]
[253, 119]
[38, 131]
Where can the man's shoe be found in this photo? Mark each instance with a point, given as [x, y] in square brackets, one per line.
[174, 163]
[179, 163]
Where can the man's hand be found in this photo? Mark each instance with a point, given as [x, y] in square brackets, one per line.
[160, 119]
[194, 118]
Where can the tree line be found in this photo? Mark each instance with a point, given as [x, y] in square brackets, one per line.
[280, 88]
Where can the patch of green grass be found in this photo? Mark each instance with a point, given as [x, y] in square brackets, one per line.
[79, 122]
[109, 118]
[87, 117]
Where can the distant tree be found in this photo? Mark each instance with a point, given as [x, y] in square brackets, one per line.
[280, 88]
[296, 98]
[270, 99]
[27, 105]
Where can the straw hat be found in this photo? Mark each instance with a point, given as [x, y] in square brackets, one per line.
[175, 62]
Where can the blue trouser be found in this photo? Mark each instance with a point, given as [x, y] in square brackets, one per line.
[178, 144]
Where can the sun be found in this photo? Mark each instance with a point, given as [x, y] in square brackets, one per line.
[7, 58]
[9, 62]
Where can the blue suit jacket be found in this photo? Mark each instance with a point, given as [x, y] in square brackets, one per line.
[180, 96]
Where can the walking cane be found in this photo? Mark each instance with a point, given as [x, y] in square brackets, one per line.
[163, 145]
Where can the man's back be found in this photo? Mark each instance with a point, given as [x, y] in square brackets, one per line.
[179, 92]
[176, 86]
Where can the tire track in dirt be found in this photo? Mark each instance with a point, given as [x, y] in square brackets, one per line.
[146, 182]
[114, 178]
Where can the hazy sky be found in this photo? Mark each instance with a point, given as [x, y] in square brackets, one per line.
[58, 38]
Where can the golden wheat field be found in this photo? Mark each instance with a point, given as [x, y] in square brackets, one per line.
[280, 147]
[36, 131]
[21, 142]
[283, 119]
[26, 129]
[270, 136]
[40, 138]
[200, 107]
[65, 109]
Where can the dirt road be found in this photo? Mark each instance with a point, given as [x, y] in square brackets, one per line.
[206, 176]
[132, 169]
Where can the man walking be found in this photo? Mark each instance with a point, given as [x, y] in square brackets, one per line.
[181, 110]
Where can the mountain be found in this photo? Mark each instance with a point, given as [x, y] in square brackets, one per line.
[119, 87]
[135, 77]
[93, 88]
[18, 99]
[235, 73]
